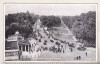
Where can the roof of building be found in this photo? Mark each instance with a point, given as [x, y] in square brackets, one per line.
[12, 38]
[24, 42]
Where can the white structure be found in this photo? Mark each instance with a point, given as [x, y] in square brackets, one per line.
[16, 33]
[11, 47]
[38, 24]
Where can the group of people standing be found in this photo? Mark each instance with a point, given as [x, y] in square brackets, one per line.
[79, 57]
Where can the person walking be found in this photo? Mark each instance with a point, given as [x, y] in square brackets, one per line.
[71, 49]
[20, 54]
[86, 53]
[79, 57]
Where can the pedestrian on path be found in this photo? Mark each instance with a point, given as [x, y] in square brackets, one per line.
[79, 57]
[20, 54]
[86, 53]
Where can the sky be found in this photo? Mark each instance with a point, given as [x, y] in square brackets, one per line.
[50, 9]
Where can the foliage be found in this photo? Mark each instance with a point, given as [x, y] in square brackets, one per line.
[83, 27]
[50, 21]
[21, 22]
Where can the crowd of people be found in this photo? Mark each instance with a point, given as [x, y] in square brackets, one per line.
[44, 41]
[44, 38]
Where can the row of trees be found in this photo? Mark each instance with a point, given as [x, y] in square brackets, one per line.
[50, 21]
[83, 27]
[21, 22]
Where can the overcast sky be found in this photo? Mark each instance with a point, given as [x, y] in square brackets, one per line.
[50, 9]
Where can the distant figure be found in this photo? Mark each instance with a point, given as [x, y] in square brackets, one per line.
[20, 53]
[79, 57]
[71, 49]
[63, 51]
[86, 53]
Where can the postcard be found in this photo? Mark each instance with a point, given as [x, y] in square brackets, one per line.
[50, 32]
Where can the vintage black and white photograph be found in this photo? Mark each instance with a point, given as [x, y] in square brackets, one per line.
[50, 32]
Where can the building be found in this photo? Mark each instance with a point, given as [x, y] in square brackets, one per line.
[14, 44]
[24, 46]
[11, 48]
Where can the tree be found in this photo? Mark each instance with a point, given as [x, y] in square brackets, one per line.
[21, 22]
[50, 21]
[83, 27]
